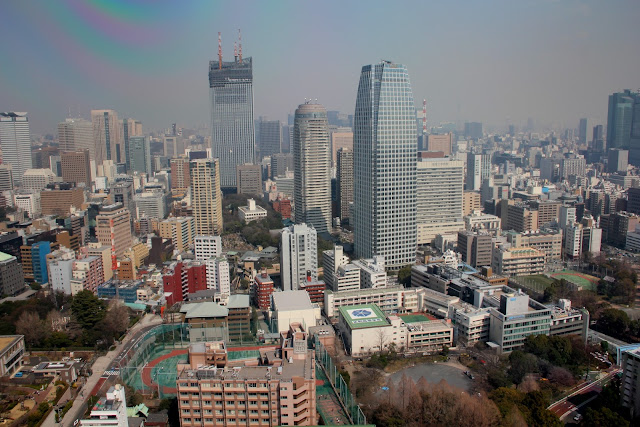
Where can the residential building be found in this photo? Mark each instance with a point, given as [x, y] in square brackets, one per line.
[182, 278]
[232, 125]
[261, 290]
[372, 272]
[299, 255]
[151, 204]
[471, 202]
[218, 276]
[206, 196]
[344, 176]
[251, 212]
[630, 383]
[384, 154]
[61, 274]
[88, 273]
[113, 228]
[104, 253]
[311, 164]
[331, 261]
[279, 391]
[15, 143]
[249, 179]
[180, 175]
[206, 247]
[181, 231]
[439, 184]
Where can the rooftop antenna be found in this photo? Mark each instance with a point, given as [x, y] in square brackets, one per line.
[239, 45]
[424, 116]
[235, 51]
[219, 50]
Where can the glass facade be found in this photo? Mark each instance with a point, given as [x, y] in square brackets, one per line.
[384, 146]
[232, 126]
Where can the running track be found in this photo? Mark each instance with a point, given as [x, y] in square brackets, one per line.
[146, 371]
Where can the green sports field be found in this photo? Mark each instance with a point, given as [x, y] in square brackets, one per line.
[585, 281]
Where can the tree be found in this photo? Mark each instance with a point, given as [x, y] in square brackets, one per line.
[32, 327]
[404, 275]
[603, 417]
[561, 377]
[116, 320]
[521, 365]
[87, 309]
[613, 322]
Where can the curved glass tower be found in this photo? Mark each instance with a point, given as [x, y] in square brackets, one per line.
[384, 154]
[232, 127]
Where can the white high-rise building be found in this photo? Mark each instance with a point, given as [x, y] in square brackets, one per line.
[312, 167]
[299, 253]
[384, 156]
[440, 184]
[30, 203]
[15, 143]
[218, 276]
[331, 261]
[107, 137]
[207, 247]
[566, 216]
[372, 272]
[478, 169]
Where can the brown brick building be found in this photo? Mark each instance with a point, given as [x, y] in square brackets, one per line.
[57, 199]
[76, 167]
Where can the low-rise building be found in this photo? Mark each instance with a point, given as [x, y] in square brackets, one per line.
[252, 212]
[11, 354]
[293, 307]
[109, 411]
[65, 370]
[518, 261]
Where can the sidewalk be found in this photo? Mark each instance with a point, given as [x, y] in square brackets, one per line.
[101, 364]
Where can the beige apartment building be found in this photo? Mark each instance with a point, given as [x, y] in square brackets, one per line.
[277, 390]
[206, 196]
[471, 201]
[181, 230]
[113, 228]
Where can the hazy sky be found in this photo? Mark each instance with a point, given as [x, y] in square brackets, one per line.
[482, 60]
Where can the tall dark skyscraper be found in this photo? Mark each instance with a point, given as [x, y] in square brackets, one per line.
[270, 139]
[473, 130]
[582, 131]
[619, 119]
[384, 165]
[597, 143]
[232, 126]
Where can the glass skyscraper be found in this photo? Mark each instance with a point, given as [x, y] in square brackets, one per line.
[232, 127]
[619, 119]
[384, 153]
[15, 142]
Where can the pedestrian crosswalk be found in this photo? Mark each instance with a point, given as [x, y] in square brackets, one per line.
[112, 372]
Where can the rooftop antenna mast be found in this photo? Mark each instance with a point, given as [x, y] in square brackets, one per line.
[424, 116]
[235, 51]
[219, 50]
[240, 45]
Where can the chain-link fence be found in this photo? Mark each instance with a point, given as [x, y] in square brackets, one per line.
[339, 385]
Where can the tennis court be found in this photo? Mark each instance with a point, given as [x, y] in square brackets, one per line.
[327, 403]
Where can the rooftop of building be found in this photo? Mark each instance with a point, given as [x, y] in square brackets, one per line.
[363, 316]
[238, 301]
[7, 341]
[291, 300]
[5, 257]
[120, 284]
[201, 310]
[365, 292]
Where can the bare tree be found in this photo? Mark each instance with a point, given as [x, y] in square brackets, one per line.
[33, 329]
[381, 339]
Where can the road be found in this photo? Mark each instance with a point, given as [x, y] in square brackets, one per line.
[104, 370]
[562, 408]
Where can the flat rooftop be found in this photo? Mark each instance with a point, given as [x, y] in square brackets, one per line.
[363, 316]
[291, 300]
[7, 341]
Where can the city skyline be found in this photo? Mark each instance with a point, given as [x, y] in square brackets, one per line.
[493, 62]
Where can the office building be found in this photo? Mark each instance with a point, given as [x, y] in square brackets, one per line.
[151, 204]
[37, 179]
[12, 351]
[180, 175]
[15, 143]
[331, 261]
[11, 275]
[130, 128]
[139, 155]
[311, 163]
[518, 317]
[76, 167]
[572, 166]
[232, 125]
[520, 218]
[549, 242]
[280, 164]
[518, 261]
[251, 212]
[113, 228]
[290, 307]
[173, 146]
[372, 272]
[618, 160]
[477, 221]
[633, 202]
[6, 177]
[206, 247]
[384, 154]
[439, 184]
[299, 255]
[582, 132]
[75, 134]
[630, 383]
[478, 169]
[620, 118]
[60, 198]
[107, 137]
[475, 248]
[181, 231]
[473, 130]
[206, 196]
[278, 391]
[471, 201]
[597, 141]
[340, 138]
[31, 203]
[270, 137]
[249, 180]
[442, 143]
[344, 176]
